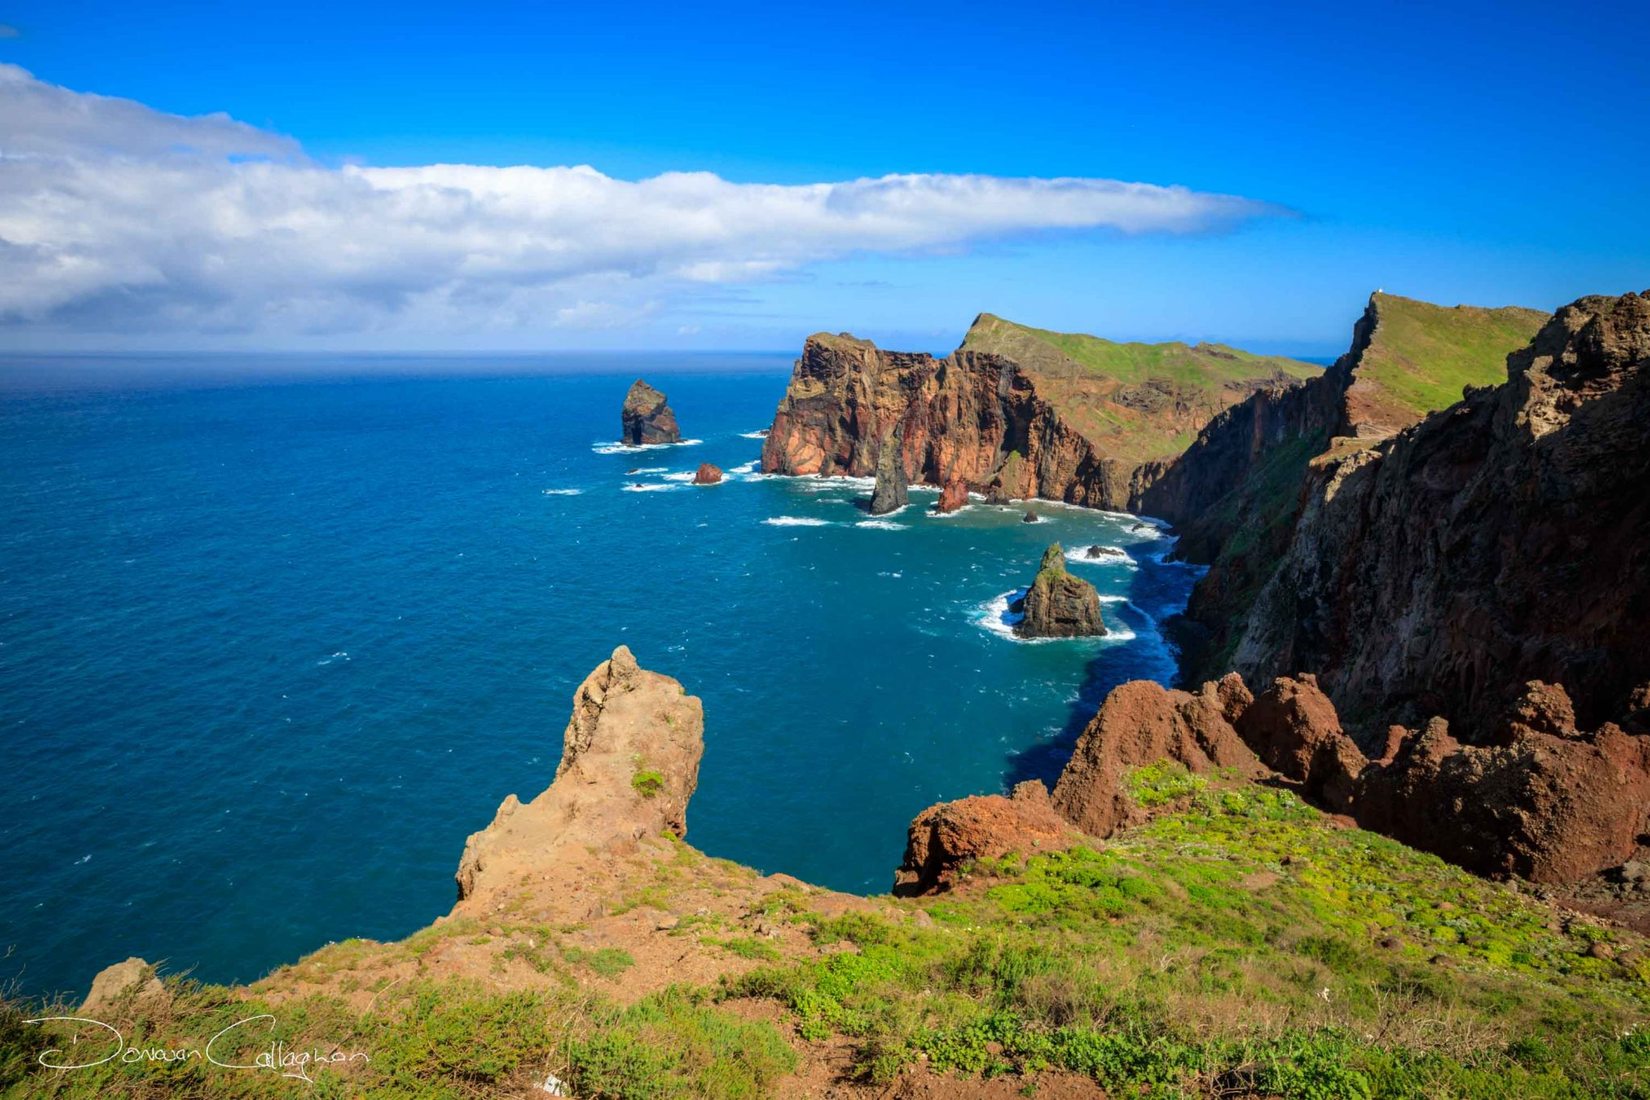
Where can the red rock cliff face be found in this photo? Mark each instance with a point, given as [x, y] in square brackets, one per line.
[970, 418]
[1503, 540]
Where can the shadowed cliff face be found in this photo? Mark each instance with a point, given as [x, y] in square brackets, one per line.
[1235, 494]
[992, 424]
[1503, 540]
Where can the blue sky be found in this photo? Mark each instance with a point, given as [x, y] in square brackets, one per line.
[1491, 154]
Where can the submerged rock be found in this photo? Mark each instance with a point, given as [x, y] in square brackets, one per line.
[1031, 517]
[707, 474]
[890, 493]
[1104, 552]
[646, 417]
[1059, 605]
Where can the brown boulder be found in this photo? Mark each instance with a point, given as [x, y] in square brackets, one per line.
[1141, 723]
[646, 417]
[952, 497]
[1059, 605]
[1292, 726]
[1548, 803]
[707, 474]
[946, 838]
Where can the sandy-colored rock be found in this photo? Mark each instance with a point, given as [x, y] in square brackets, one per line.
[1140, 723]
[646, 417]
[946, 838]
[707, 474]
[122, 985]
[629, 765]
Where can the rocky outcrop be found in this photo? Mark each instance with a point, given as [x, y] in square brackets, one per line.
[1500, 541]
[952, 497]
[123, 986]
[946, 839]
[983, 420]
[629, 764]
[1058, 605]
[1141, 723]
[1292, 726]
[646, 417]
[1545, 801]
[707, 474]
[889, 493]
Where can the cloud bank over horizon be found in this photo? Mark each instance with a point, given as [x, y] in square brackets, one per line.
[119, 219]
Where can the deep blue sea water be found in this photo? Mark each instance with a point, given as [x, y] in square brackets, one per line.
[269, 652]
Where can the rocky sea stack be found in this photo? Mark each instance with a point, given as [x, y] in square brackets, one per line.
[890, 494]
[1059, 605]
[707, 474]
[647, 418]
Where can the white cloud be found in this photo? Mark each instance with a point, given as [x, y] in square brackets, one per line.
[115, 217]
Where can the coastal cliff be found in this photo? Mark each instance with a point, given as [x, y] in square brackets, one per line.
[1236, 493]
[1499, 541]
[1010, 414]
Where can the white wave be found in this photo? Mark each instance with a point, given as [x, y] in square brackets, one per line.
[796, 521]
[656, 487]
[647, 470]
[562, 492]
[616, 448]
[743, 468]
[994, 615]
[760, 433]
[1106, 597]
[881, 525]
[685, 475]
[1114, 556]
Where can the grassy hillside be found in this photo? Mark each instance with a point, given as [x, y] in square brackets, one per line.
[1422, 355]
[1241, 945]
[1138, 401]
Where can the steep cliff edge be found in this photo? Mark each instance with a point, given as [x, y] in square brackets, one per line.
[1503, 540]
[1235, 494]
[1084, 427]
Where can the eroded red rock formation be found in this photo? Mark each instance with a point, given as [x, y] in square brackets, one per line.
[945, 839]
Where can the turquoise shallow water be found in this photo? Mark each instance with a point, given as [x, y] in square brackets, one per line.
[268, 653]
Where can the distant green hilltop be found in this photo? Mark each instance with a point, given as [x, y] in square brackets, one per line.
[1134, 401]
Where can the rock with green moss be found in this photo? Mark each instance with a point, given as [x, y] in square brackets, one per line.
[1058, 605]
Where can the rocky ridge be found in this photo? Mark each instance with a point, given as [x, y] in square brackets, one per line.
[981, 422]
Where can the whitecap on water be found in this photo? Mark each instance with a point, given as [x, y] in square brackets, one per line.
[760, 433]
[881, 525]
[994, 615]
[1111, 555]
[617, 448]
[656, 487]
[562, 492]
[796, 521]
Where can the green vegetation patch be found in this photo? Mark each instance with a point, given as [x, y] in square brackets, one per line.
[1422, 355]
[646, 783]
[1242, 946]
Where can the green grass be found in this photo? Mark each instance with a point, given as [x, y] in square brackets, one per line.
[1130, 399]
[1423, 355]
[1241, 944]
[648, 784]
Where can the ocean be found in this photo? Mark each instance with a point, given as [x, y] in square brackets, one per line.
[273, 645]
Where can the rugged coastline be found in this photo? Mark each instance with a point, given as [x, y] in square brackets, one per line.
[1190, 827]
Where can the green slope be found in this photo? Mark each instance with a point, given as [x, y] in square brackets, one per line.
[1421, 355]
[1134, 401]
